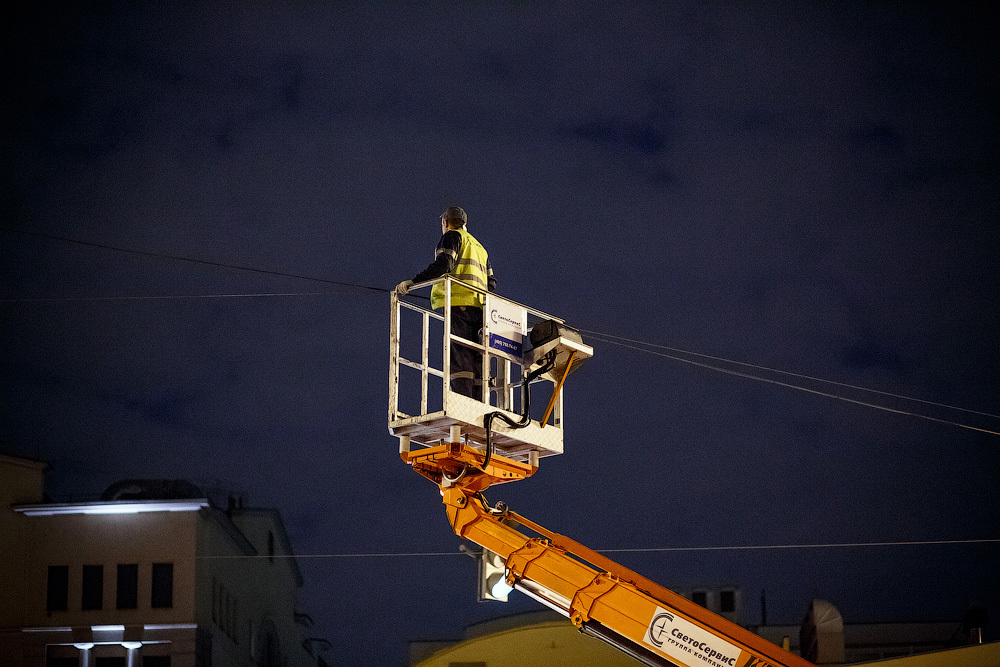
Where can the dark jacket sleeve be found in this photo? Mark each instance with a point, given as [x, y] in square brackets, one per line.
[491, 281]
[445, 256]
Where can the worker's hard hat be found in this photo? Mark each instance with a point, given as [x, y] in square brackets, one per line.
[454, 213]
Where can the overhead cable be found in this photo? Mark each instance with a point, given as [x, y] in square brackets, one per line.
[759, 547]
[781, 372]
[826, 394]
[164, 297]
[194, 260]
[641, 346]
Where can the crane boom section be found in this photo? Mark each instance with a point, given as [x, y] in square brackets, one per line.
[561, 573]
[455, 444]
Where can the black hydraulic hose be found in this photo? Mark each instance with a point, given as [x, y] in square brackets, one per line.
[550, 361]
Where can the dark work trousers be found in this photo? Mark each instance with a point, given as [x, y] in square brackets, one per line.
[466, 363]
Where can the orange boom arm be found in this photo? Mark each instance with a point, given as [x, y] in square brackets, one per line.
[599, 596]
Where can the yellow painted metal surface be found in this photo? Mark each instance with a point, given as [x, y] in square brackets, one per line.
[540, 645]
[981, 655]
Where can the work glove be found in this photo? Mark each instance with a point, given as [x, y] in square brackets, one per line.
[404, 287]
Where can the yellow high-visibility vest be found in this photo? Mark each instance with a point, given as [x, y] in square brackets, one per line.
[470, 267]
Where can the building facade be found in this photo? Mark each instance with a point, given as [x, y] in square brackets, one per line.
[153, 574]
[548, 639]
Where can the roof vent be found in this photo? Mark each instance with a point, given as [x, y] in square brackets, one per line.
[822, 634]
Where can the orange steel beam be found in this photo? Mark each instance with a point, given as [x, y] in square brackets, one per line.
[452, 458]
[558, 571]
[713, 622]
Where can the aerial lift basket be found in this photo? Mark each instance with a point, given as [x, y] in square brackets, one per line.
[455, 450]
[516, 339]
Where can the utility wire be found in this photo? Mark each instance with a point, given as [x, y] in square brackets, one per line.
[603, 337]
[193, 260]
[607, 338]
[760, 547]
[630, 343]
[806, 546]
[789, 373]
[418, 554]
[799, 388]
[161, 298]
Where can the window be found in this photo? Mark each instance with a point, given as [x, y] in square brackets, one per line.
[111, 662]
[57, 593]
[93, 587]
[127, 595]
[727, 601]
[163, 586]
[62, 662]
[156, 661]
[230, 605]
[700, 597]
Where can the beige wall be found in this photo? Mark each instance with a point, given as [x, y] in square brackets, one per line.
[982, 655]
[266, 589]
[229, 598]
[226, 590]
[21, 481]
[109, 539]
[558, 644]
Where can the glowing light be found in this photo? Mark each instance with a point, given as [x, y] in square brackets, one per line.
[114, 507]
[46, 629]
[500, 588]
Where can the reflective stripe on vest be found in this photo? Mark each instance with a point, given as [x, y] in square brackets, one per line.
[470, 267]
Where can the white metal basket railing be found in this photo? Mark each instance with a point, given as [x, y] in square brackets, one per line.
[434, 408]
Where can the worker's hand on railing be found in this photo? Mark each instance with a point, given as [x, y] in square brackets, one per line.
[404, 287]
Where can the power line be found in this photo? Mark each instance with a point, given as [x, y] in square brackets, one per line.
[805, 389]
[600, 336]
[607, 338]
[763, 547]
[789, 373]
[758, 547]
[417, 554]
[161, 297]
[193, 260]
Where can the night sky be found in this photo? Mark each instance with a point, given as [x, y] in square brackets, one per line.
[801, 187]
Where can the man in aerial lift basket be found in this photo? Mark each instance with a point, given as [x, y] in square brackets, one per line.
[459, 254]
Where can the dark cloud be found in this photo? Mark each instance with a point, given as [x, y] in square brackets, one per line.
[871, 354]
[802, 188]
[168, 410]
[879, 136]
[642, 137]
